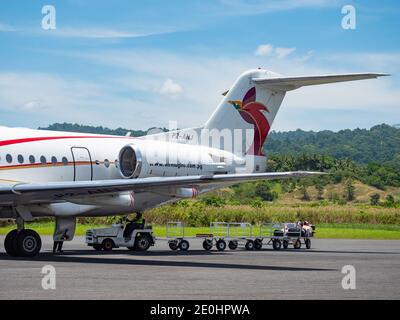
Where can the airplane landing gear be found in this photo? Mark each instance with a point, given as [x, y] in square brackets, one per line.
[22, 243]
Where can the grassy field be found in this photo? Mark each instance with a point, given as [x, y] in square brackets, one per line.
[328, 231]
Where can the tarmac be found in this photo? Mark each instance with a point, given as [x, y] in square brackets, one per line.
[83, 273]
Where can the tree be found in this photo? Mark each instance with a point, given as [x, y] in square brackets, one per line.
[349, 190]
[320, 190]
[389, 201]
[304, 193]
[374, 199]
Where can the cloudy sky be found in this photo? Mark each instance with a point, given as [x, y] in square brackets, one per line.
[139, 64]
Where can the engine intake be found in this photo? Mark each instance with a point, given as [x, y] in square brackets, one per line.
[130, 162]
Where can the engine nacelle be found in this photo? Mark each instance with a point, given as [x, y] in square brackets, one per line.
[130, 162]
[157, 158]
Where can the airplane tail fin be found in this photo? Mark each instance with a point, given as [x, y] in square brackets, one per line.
[255, 98]
[241, 122]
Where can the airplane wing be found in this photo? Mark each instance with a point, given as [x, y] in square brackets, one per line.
[291, 83]
[23, 193]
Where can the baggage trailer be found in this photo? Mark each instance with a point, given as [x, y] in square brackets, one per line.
[221, 235]
[284, 234]
[231, 234]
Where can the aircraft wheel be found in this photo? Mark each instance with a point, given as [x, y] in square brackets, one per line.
[143, 242]
[297, 244]
[220, 245]
[308, 243]
[207, 244]
[249, 245]
[232, 245]
[276, 244]
[258, 244]
[27, 243]
[9, 243]
[107, 244]
[184, 245]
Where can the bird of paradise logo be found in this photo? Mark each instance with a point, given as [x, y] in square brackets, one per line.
[252, 112]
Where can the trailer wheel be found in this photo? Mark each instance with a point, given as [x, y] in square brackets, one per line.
[232, 245]
[107, 245]
[142, 242]
[184, 245]
[249, 245]
[220, 245]
[308, 243]
[97, 247]
[173, 245]
[276, 244]
[285, 244]
[207, 244]
[297, 244]
[258, 244]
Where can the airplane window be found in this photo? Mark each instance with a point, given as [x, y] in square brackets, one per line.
[116, 163]
[9, 158]
[107, 163]
[65, 161]
[31, 159]
[43, 160]
[20, 158]
[53, 161]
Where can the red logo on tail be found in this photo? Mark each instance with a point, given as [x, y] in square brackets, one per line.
[252, 112]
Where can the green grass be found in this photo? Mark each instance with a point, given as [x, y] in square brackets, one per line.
[329, 231]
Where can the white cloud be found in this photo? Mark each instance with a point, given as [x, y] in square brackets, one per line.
[171, 88]
[268, 50]
[6, 28]
[103, 33]
[263, 50]
[241, 7]
[283, 52]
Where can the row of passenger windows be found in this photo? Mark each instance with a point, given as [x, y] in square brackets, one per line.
[32, 159]
[53, 160]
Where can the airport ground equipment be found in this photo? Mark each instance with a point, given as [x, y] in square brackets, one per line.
[175, 235]
[140, 238]
[221, 236]
[231, 234]
[284, 234]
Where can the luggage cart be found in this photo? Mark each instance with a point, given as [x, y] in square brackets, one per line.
[175, 236]
[231, 234]
[284, 234]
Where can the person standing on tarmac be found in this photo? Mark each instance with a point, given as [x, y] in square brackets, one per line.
[57, 247]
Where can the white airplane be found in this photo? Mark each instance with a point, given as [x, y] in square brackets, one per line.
[69, 175]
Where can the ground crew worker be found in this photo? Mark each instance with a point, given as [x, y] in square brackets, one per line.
[136, 223]
[57, 246]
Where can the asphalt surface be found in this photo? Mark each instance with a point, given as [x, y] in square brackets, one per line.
[82, 273]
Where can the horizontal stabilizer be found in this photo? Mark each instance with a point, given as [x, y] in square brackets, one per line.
[291, 83]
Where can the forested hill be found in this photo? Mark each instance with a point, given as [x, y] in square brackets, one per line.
[69, 127]
[379, 144]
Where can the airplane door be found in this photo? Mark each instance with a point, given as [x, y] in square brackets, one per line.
[83, 170]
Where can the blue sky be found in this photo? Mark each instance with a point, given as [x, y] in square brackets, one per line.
[139, 64]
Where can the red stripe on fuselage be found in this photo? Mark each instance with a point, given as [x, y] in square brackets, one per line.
[35, 139]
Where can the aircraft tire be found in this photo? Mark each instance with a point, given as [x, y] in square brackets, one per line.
[27, 243]
[9, 243]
